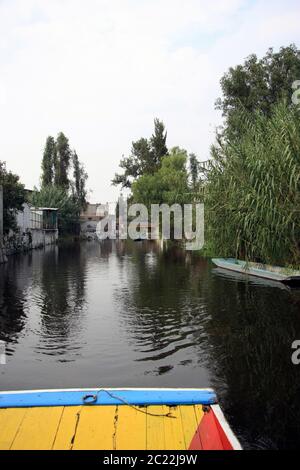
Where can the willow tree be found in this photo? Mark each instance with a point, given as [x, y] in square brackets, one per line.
[253, 189]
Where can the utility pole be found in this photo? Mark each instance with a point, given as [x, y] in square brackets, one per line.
[3, 258]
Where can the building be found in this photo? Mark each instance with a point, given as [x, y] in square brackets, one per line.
[91, 216]
[37, 227]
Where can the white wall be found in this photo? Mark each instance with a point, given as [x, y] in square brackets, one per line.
[43, 238]
[23, 218]
[20, 241]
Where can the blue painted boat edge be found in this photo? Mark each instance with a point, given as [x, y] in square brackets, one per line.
[107, 396]
[228, 261]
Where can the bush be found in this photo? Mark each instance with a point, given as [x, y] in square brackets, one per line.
[13, 197]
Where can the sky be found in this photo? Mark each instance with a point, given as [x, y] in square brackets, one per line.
[101, 70]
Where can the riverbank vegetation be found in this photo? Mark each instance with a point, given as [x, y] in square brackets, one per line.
[169, 184]
[63, 184]
[252, 192]
[145, 158]
[251, 187]
[13, 197]
[156, 174]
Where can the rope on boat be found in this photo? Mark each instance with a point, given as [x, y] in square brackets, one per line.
[92, 399]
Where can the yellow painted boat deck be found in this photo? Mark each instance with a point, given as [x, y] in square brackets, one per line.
[108, 427]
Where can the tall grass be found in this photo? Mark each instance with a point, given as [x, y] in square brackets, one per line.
[252, 194]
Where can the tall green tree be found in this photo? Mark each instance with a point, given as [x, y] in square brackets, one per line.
[63, 183]
[63, 158]
[258, 84]
[139, 162]
[49, 162]
[194, 171]
[145, 158]
[80, 178]
[14, 196]
[158, 142]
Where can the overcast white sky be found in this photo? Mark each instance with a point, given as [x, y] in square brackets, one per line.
[101, 70]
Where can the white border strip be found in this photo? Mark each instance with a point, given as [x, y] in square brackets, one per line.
[226, 428]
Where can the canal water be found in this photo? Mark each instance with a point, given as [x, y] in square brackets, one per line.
[120, 314]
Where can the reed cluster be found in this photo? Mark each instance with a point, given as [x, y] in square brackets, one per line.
[252, 194]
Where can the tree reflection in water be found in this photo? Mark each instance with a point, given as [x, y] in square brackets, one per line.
[121, 313]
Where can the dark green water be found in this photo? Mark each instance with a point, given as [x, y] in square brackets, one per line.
[121, 314]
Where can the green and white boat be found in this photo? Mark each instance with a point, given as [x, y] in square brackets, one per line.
[275, 273]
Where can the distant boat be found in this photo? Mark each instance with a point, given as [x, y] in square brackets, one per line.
[119, 419]
[274, 273]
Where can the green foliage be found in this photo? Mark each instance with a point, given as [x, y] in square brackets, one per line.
[158, 142]
[56, 162]
[79, 185]
[194, 171]
[138, 163]
[57, 197]
[145, 157]
[62, 164]
[253, 191]
[258, 84]
[13, 197]
[58, 190]
[169, 184]
[48, 162]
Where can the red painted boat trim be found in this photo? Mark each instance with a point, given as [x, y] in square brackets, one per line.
[224, 439]
[196, 441]
[210, 435]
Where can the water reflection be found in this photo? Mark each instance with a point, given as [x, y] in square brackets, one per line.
[159, 312]
[13, 316]
[61, 300]
[251, 331]
[131, 314]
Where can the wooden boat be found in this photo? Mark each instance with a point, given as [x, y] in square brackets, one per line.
[114, 419]
[253, 280]
[275, 273]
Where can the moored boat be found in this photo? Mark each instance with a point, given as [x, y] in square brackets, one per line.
[114, 419]
[285, 275]
[235, 276]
